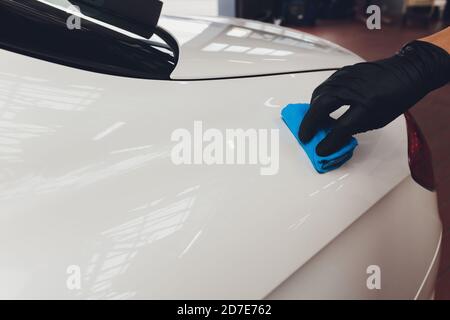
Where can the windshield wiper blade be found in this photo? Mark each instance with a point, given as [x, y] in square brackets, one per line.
[137, 16]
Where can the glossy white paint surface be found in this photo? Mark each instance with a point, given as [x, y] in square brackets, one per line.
[400, 237]
[86, 179]
[225, 47]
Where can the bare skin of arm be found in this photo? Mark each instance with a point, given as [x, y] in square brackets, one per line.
[440, 39]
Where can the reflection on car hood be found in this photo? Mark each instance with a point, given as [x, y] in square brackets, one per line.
[87, 179]
[225, 47]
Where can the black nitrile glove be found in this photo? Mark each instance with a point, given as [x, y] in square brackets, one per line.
[377, 92]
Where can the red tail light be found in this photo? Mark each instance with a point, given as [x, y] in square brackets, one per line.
[419, 155]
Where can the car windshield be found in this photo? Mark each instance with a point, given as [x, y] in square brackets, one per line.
[55, 31]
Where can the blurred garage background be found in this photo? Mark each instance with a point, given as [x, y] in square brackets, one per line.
[344, 22]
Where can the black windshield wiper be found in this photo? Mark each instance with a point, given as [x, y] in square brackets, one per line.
[39, 29]
[136, 16]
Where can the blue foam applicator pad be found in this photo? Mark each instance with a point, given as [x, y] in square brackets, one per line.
[293, 115]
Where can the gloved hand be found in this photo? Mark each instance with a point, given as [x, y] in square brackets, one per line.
[377, 92]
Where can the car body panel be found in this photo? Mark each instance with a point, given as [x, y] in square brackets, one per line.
[398, 243]
[237, 47]
[87, 181]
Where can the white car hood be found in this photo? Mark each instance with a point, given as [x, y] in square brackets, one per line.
[87, 184]
[225, 47]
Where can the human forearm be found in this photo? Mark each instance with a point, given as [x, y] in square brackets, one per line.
[440, 39]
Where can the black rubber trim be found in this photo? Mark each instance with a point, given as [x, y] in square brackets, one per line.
[256, 75]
